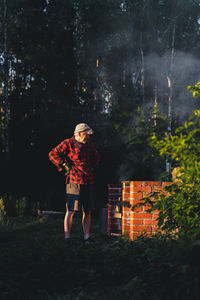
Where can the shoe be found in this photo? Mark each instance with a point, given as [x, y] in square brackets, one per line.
[88, 241]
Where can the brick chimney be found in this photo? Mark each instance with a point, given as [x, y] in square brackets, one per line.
[128, 222]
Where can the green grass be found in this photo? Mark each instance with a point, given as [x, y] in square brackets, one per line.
[37, 263]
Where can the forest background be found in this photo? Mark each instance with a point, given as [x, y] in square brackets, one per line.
[121, 66]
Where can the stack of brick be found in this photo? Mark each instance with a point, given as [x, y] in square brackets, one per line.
[133, 223]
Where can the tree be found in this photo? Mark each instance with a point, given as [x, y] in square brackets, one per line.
[99, 62]
[179, 203]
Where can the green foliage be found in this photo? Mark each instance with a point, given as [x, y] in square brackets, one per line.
[195, 89]
[16, 206]
[179, 203]
[2, 210]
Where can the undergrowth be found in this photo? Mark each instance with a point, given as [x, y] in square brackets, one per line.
[37, 263]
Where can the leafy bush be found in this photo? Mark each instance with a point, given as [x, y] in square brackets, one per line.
[11, 205]
[179, 203]
[2, 209]
[195, 90]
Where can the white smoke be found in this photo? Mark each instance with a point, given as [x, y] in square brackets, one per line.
[185, 71]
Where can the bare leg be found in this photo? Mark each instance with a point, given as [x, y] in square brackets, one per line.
[68, 223]
[86, 221]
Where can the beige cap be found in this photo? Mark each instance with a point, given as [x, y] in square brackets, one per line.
[83, 127]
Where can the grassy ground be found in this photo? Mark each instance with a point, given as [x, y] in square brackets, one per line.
[37, 263]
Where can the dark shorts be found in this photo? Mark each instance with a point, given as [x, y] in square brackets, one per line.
[80, 196]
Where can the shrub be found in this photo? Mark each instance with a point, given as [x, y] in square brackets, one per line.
[2, 210]
[179, 203]
[17, 206]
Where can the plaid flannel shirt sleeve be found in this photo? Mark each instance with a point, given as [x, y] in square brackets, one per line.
[57, 154]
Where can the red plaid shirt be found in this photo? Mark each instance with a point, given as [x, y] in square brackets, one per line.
[82, 157]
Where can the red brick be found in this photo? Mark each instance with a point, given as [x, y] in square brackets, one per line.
[125, 196]
[150, 222]
[135, 183]
[136, 222]
[126, 189]
[136, 196]
[125, 227]
[142, 216]
[155, 215]
[126, 222]
[153, 183]
[126, 214]
[125, 209]
[135, 201]
[133, 235]
[141, 228]
[133, 192]
[166, 183]
[140, 189]
[157, 189]
[125, 184]
[131, 214]
[146, 207]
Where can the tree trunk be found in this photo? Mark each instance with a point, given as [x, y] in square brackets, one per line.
[170, 86]
[142, 51]
[6, 104]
